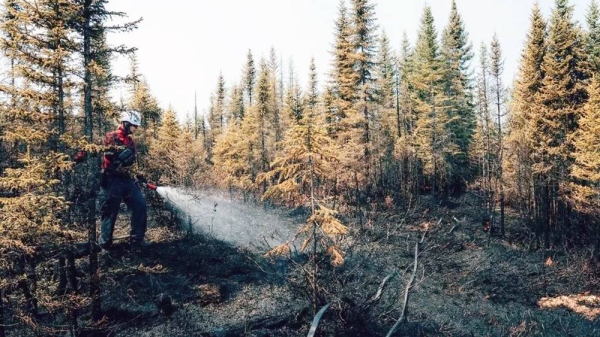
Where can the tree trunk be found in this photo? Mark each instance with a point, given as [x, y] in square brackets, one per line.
[62, 276]
[502, 232]
[2, 333]
[92, 169]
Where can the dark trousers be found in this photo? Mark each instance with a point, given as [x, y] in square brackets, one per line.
[113, 191]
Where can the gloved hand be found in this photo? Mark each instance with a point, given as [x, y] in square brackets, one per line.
[126, 157]
[80, 156]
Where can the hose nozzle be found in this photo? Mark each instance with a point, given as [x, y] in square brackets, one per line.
[151, 186]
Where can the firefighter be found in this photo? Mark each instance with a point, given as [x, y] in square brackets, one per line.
[118, 185]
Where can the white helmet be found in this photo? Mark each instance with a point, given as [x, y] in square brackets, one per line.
[132, 117]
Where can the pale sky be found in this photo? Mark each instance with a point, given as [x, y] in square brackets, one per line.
[183, 45]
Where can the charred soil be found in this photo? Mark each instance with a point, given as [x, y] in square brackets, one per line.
[467, 283]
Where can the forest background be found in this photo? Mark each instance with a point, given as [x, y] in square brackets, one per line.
[384, 128]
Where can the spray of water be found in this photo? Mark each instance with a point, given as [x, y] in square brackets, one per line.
[238, 223]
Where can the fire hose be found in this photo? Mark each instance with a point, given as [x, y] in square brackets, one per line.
[151, 186]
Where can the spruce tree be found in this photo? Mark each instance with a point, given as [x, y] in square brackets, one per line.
[147, 105]
[586, 168]
[562, 95]
[236, 105]
[343, 78]
[312, 95]
[405, 144]
[593, 36]
[249, 78]
[384, 126]
[433, 143]
[263, 126]
[456, 56]
[277, 122]
[385, 73]
[216, 117]
[525, 107]
[365, 49]
[294, 107]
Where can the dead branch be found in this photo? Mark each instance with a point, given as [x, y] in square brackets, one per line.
[315, 322]
[402, 317]
[453, 227]
[381, 287]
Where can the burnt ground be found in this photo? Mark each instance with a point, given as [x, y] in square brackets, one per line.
[466, 284]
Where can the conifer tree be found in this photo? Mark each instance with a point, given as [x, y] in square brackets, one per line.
[312, 95]
[190, 163]
[365, 49]
[249, 79]
[217, 120]
[302, 173]
[263, 102]
[483, 147]
[235, 162]
[525, 107]
[196, 118]
[236, 105]
[134, 76]
[433, 142]
[147, 105]
[385, 132]
[404, 147]
[365, 45]
[592, 46]
[562, 94]
[91, 27]
[456, 55]
[586, 168]
[294, 107]
[498, 96]
[42, 48]
[385, 73]
[343, 78]
[216, 116]
[166, 151]
[277, 122]
[103, 109]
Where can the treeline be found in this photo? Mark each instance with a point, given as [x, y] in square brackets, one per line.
[428, 119]
[385, 126]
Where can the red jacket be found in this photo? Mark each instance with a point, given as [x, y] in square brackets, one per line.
[117, 141]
